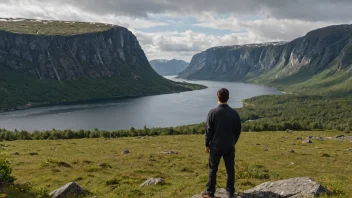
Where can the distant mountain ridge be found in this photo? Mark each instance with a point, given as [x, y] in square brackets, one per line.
[168, 67]
[320, 59]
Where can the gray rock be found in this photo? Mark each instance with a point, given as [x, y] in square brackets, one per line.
[299, 138]
[343, 137]
[153, 181]
[319, 138]
[168, 152]
[292, 151]
[292, 188]
[16, 153]
[289, 131]
[221, 193]
[125, 151]
[350, 149]
[70, 190]
[307, 141]
[301, 187]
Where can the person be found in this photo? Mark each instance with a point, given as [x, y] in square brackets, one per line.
[223, 129]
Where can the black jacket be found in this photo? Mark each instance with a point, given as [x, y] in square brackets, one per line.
[223, 128]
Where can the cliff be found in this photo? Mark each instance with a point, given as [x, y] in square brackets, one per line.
[168, 67]
[323, 55]
[48, 63]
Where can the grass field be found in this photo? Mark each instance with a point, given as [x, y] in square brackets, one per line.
[50, 27]
[98, 165]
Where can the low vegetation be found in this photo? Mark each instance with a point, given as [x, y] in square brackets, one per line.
[260, 157]
[294, 112]
[50, 27]
[20, 90]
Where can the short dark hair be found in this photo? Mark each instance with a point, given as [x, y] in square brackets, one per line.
[223, 95]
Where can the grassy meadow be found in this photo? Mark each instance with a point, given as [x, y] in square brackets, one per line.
[98, 165]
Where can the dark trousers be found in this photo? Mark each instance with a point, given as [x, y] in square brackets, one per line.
[214, 160]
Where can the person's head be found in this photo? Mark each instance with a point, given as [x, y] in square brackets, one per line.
[223, 95]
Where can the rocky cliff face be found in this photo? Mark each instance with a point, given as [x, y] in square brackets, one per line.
[46, 62]
[92, 55]
[328, 49]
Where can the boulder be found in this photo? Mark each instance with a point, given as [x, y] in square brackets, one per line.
[168, 152]
[70, 190]
[16, 153]
[350, 149]
[125, 151]
[292, 188]
[343, 137]
[221, 193]
[301, 187]
[307, 141]
[153, 181]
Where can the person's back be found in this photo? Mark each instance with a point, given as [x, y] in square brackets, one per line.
[222, 133]
[226, 124]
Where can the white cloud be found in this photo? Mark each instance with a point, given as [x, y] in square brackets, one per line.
[265, 29]
[183, 45]
[28, 9]
[245, 21]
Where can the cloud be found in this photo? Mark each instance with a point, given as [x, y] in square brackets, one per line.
[63, 11]
[311, 10]
[184, 45]
[200, 24]
[266, 29]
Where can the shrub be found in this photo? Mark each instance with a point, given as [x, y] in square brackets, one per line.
[112, 182]
[43, 192]
[5, 172]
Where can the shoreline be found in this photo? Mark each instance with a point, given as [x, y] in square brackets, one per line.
[95, 100]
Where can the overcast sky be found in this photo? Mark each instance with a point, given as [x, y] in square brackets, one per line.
[169, 29]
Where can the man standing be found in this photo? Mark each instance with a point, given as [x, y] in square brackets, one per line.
[223, 129]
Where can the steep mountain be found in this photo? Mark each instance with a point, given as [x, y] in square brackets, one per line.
[320, 59]
[168, 67]
[45, 62]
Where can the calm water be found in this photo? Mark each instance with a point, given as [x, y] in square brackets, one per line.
[153, 111]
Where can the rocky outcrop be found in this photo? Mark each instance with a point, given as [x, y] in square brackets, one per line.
[328, 49]
[70, 190]
[221, 193]
[168, 152]
[292, 188]
[153, 181]
[301, 187]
